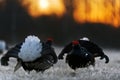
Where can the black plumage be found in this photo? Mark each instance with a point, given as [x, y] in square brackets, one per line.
[90, 46]
[47, 59]
[79, 57]
[12, 52]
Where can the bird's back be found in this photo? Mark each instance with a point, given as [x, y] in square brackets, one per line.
[47, 60]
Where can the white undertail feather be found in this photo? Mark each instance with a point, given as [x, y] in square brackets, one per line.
[30, 49]
[85, 39]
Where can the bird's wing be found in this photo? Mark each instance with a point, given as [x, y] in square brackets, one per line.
[13, 52]
[48, 50]
[66, 50]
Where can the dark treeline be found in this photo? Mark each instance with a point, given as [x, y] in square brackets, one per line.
[16, 24]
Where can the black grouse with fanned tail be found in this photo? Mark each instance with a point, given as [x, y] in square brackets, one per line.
[90, 46]
[47, 60]
[79, 57]
[43, 60]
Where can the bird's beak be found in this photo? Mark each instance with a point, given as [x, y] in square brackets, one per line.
[18, 65]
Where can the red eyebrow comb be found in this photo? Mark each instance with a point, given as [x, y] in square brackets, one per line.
[49, 39]
[75, 42]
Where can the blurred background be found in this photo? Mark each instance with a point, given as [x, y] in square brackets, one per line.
[63, 20]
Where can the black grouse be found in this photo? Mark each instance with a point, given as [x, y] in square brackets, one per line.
[79, 57]
[32, 54]
[90, 46]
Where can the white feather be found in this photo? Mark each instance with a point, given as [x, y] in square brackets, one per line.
[30, 49]
[85, 39]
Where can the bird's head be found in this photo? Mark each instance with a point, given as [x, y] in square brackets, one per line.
[49, 41]
[75, 42]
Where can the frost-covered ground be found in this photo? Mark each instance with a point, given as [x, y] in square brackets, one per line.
[61, 71]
